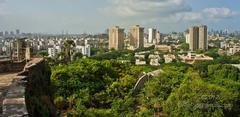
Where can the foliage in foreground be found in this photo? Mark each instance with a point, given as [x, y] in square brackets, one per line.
[104, 89]
[89, 85]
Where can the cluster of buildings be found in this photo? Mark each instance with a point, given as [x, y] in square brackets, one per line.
[173, 38]
[153, 59]
[227, 45]
[156, 58]
[134, 39]
[233, 50]
[197, 37]
[18, 50]
[191, 57]
[53, 45]
[10, 33]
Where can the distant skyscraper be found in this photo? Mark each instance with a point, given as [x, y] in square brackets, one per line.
[226, 31]
[197, 38]
[193, 40]
[116, 38]
[6, 33]
[11, 33]
[187, 36]
[17, 31]
[136, 36]
[158, 37]
[203, 42]
[151, 35]
[1, 34]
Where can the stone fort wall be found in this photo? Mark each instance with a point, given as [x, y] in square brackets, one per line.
[9, 66]
[29, 93]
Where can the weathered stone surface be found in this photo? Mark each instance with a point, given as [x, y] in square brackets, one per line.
[5, 81]
[13, 88]
[14, 102]
[9, 66]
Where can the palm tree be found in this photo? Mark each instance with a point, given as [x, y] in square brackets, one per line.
[68, 48]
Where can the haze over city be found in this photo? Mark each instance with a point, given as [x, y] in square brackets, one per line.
[95, 16]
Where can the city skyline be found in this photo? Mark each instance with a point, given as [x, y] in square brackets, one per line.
[82, 16]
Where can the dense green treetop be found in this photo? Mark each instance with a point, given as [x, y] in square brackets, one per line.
[102, 87]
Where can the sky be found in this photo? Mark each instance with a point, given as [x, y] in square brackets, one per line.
[95, 16]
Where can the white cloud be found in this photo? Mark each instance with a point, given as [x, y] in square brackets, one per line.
[188, 16]
[218, 13]
[148, 8]
[164, 10]
[213, 14]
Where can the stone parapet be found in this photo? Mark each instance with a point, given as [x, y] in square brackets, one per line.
[18, 88]
[14, 101]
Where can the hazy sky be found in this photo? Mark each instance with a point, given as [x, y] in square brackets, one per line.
[95, 16]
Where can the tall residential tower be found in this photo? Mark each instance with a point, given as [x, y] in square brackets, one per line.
[116, 38]
[196, 37]
[158, 37]
[193, 41]
[136, 37]
[203, 42]
[151, 35]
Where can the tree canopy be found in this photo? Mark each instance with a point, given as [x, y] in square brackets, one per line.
[101, 86]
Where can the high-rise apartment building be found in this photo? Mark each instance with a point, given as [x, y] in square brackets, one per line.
[151, 35]
[17, 31]
[197, 38]
[11, 33]
[1, 34]
[203, 42]
[187, 36]
[136, 37]
[158, 37]
[116, 38]
[193, 41]
[6, 33]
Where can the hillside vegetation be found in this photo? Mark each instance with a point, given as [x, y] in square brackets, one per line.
[103, 88]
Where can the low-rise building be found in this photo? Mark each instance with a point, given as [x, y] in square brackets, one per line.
[191, 57]
[221, 52]
[140, 62]
[140, 59]
[169, 58]
[154, 59]
[52, 52]
[233, 50]
[85, 50]
[224, 45]
[163, 48]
